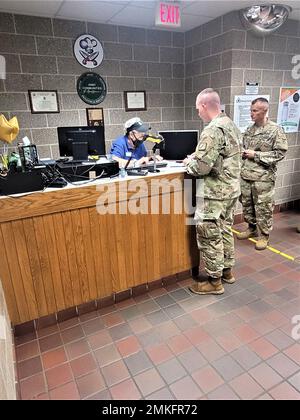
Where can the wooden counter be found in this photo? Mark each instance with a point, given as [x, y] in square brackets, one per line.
[57, 251]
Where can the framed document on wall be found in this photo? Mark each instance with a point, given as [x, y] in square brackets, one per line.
[135, 100]
[43, 101]
[95, 117]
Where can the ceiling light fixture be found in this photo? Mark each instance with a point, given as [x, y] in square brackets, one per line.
[264, 19]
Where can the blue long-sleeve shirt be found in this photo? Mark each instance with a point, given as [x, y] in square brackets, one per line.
[120, 148]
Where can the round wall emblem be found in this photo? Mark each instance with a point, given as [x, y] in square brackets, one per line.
[91, 88]
[88, 51]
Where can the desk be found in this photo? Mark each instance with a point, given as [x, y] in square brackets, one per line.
[57, 251]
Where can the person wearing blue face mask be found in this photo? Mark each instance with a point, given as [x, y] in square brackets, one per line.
[130, 145]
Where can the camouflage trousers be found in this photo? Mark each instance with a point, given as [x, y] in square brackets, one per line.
[215, 241]
[257, 199]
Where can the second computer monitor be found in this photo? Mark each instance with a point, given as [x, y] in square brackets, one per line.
[93, 136]
[179, 143]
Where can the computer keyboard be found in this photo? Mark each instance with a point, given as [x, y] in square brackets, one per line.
[150, 165]
[78, 162]
[46, 162]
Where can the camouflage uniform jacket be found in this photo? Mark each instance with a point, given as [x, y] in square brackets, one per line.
[217, 160]
[270, 145]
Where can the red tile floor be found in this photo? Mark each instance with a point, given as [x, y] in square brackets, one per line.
[170, 344]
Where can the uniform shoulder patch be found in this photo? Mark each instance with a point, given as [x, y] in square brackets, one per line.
[202, 146]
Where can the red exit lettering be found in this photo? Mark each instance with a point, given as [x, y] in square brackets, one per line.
[169, 13]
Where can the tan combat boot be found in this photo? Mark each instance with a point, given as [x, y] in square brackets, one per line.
[251, 232]
[210, 287]
[262, 242]
[228, 276]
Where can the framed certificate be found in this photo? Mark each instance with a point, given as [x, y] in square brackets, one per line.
[43, 101]
[94, 117]
[135, 100]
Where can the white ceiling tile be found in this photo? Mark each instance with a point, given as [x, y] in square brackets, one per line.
[211, 8]
[119, 2]
[134, 16]
[147, 4]
[97, 11]
[33, 7]
[125, 12]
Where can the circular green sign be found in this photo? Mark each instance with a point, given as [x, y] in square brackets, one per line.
[91, 88]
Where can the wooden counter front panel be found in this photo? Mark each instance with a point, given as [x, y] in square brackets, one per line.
[55, 261]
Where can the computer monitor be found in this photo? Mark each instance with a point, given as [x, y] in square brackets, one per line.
[179, 143]
[93, 136]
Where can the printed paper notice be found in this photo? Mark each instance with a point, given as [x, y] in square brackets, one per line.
[289, 109]
[251, 88]
[242, 105]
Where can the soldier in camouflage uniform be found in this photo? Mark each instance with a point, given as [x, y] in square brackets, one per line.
[265, 144]
[217, 161]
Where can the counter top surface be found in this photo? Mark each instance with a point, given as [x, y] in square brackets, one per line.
[171, 168]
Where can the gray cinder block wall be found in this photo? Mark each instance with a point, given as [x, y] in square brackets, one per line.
[223, 55]
[39, 55]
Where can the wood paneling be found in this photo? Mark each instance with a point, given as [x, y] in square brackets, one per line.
[5, 274]
[53, 252]
[20, 304]
[61, 247]
[24, 263]
[35, 266]
[58, 251]
[87, 240]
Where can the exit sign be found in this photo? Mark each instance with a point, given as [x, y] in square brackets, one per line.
[168, 15]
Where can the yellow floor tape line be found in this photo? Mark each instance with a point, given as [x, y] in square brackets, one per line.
[270, 248]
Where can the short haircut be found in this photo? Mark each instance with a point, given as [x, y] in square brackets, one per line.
[262, 100]
[214, 96]
[206, 91]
